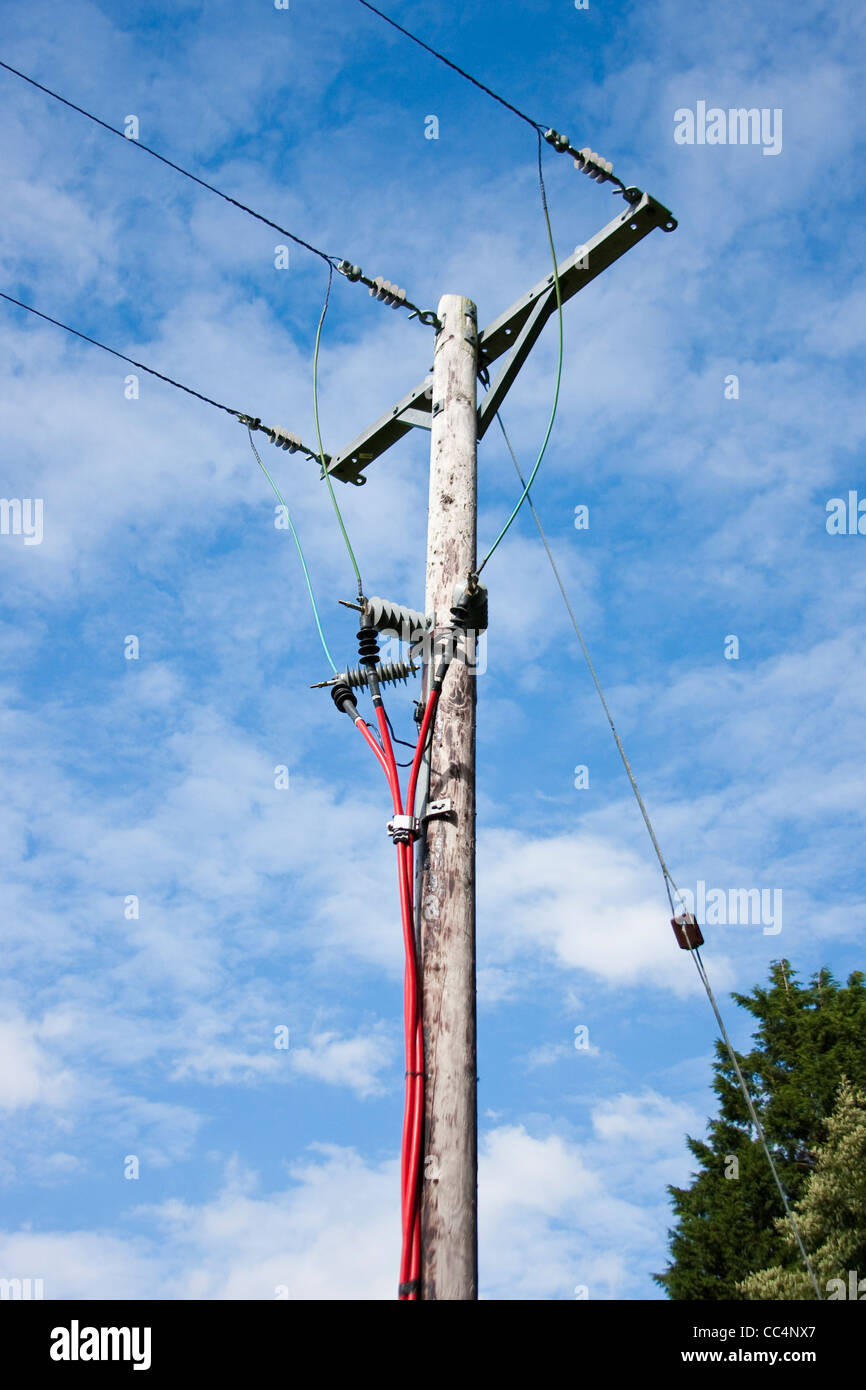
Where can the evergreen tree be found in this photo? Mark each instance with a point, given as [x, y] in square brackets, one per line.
[831, 1215]
[807, 1037]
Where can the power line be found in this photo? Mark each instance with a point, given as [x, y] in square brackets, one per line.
[586, 160]
[331, 260]
[448, 63]
[668, 880]
[276, 436]
[379, 288]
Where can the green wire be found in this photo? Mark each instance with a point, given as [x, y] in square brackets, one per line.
[300, 552]
[319, 435]
[531, 479]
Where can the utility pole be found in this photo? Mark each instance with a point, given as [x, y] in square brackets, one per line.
[449, 1205]
[446, 404]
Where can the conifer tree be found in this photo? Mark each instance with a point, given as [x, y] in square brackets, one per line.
[831, 1216]
[806, 1039]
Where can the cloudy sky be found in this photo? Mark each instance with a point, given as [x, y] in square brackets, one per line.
[261, 906]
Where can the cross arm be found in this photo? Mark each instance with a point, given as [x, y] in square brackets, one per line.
[511, 336]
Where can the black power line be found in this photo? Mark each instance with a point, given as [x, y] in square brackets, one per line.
[380, 288]
[447, 61]
[299, 241]
[277, 436]
[586, 160]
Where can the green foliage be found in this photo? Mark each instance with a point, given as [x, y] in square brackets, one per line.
[831, 1213]
[806, 1039]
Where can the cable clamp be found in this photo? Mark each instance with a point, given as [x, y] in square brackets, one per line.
[404, 829]
[412, 1286]
[559, 142]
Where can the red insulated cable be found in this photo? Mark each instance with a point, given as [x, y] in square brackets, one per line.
[413, 1113]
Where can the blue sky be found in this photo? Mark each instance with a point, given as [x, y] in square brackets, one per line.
[261, 907]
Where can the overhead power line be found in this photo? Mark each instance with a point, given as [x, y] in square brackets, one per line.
[276, 435]
[668, 880]
[379, 288]
[299, 241]
[586, 160]
[448, 63]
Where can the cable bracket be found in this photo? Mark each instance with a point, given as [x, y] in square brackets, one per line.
[404, 829]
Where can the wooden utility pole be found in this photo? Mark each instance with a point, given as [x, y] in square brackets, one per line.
[449, 1221]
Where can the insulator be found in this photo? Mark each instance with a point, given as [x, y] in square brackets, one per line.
[351, 272]
[386, 616]
[687, 931]
[368, 646]
[341, 694]
[284, 440]
[592, 164]
[388, 293]
[559, 142]
[388, 673]
[469, 606]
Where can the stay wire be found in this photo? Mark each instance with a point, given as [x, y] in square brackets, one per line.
[448, 63]
[622, 753]
[322, 458]
[668, 879]
[299, 241]
[549, 429]
[282, 502]
[699, 965]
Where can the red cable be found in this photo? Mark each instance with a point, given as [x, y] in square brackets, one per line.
[413, 1112]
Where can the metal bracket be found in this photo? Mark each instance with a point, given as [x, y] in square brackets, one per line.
[442, 807]
[514, 333]
[404, 829]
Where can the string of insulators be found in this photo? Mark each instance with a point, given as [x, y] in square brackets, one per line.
[591, 164]
[386, 616]
[389, 294]
[390, 672]
[292, 443]
[285, 440]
